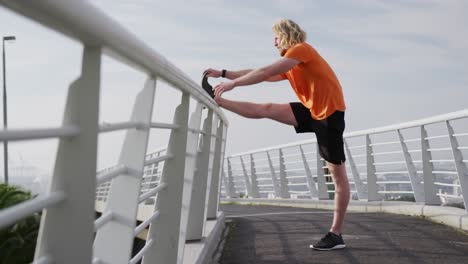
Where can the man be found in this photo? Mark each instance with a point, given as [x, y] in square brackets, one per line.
[320, 110]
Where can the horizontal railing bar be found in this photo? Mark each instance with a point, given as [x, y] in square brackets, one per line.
[412, 140]
[146, 223]
[195, 130]
[444, 172]
[386, 153]
[289, 170]
[293, 162]
[442, 161]
[356, 147]
[265, 185]
[449, 195]
[438, 149]
[104, 177]
[31, 134]
[163, 125]
[265, 172]
[462, 148]
[264, 179]
[359, 156]
[447, 184]
[385, 143]
[98, 223]
[152, 192]
[391, 172]
[297, 184]
[295, 177]
[292, 155]
[460, 135]
[12, 214]
[158, 159]
[108, 127]
[397, 192]
[435, 137]
[392, 182]
[142, 252]
[389, 162]
[266, 191]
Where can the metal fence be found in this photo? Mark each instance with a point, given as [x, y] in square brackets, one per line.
[424, 161]
[189, 181]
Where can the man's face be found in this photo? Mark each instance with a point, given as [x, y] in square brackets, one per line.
[277, 43]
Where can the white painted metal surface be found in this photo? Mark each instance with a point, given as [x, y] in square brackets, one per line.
[73, 186]
[75, 172]
[427, 163]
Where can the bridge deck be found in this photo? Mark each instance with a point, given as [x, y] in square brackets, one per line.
[268, 234]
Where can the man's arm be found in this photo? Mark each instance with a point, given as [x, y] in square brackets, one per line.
[259, 75]
[265, 73]
[231, 75]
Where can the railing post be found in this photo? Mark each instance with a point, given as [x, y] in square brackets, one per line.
[321, 183]
[231, 190]
[413, 174]
[114, 240]
[169, 232]
[75, 172]
[216, 171]
[459, 164]
[274, 180]
[253, 174]
[372, 188]
[197, 209]
[430, 193]
[283, 180]
[248, 186]
[310, 181]
[360, 188]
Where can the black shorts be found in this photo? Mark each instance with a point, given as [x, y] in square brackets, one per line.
[329, 132]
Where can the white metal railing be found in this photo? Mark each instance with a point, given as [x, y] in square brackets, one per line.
[424, 159]
[68, 221]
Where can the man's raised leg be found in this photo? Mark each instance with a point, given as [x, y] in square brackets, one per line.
[278, 112]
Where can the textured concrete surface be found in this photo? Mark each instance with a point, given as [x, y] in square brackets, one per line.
[270, 234]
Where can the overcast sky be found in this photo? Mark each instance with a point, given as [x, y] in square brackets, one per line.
[396, 60]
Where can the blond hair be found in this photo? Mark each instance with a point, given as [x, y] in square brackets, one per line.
[289, 32]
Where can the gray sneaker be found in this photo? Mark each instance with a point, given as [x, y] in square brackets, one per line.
[330, 241]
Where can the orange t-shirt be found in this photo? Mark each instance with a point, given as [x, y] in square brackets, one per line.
[314, 82]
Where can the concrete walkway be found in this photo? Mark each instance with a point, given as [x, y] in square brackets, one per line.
[273, 235]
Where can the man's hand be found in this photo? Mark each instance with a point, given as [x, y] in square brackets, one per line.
[218, 100]
[212, 73]
[223, 87]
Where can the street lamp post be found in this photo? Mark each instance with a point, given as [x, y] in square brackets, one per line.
[5, 122]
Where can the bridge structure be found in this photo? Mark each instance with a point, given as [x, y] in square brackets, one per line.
[170, 197]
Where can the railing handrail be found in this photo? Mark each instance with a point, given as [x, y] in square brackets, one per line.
[420, 122]
[82, 21]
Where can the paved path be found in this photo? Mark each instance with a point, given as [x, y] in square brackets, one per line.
[273, 235]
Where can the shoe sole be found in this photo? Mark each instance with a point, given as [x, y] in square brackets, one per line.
[327, 249]
[207, 86]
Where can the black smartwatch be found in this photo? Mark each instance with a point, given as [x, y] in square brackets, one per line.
[223, 73]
